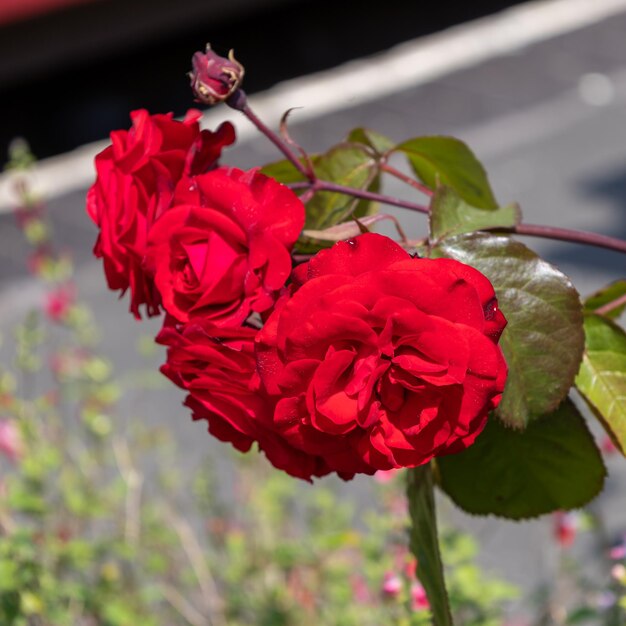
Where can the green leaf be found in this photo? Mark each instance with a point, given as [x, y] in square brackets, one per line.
[543, 341]
[425, 543]
[8, 575]
[583, 615]
[552, 465]
[350, 165]
[373, 140]
[602, 376]
[283, 171]
[605, 295]
[448, 161]
[450, 215]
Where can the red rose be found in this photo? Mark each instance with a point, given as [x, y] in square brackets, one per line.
[217, 367]
[380, 360]
[136, 179]
[214, 78]
[225, 253]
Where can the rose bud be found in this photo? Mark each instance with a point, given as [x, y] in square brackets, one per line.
[214, 78]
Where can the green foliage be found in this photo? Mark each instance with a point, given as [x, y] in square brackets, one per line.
[543, 340]
[474, 596]
[450, 215]
[448, 161]
[602, 376]
[90, 537]
[605, 296]
[379, 144]
[521, 474]
[350, 164]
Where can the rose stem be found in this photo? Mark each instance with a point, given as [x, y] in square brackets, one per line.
[567, 234]
[324, 185]
[239, 102]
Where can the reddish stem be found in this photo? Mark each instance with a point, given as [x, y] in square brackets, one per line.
[238, 101]
[573, 236]
[324, 185]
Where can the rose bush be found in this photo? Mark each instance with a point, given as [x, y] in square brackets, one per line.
[225, 252]
[379, 360]
[375, 360]
[364, 358]
[136, 179]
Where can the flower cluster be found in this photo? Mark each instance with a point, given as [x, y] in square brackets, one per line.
[362, 359]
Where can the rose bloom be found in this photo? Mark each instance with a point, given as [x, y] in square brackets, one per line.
[379, 360]
[217, 367]
[136, 179]
[223, 251]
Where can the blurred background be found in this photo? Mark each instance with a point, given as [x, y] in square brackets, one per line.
[537, 90]
[89, 62]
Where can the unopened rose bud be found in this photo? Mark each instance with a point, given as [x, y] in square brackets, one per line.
[214, 78]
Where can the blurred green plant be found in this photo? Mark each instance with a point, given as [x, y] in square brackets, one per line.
[584, 592]
[88, 537]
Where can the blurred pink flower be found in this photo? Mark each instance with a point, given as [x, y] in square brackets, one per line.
[566, 524]
[419, 601]
[11, 444]
[618, 552]
[607, 446]
[385, 476]
[410, 568]
[392, 584]
[618, 572]
[59, 302]
[37, 261]
[359, 589]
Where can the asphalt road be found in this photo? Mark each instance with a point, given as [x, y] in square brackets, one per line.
[549, 123]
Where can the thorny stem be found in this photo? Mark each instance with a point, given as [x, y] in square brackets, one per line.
[313, 184]
[239, 101]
